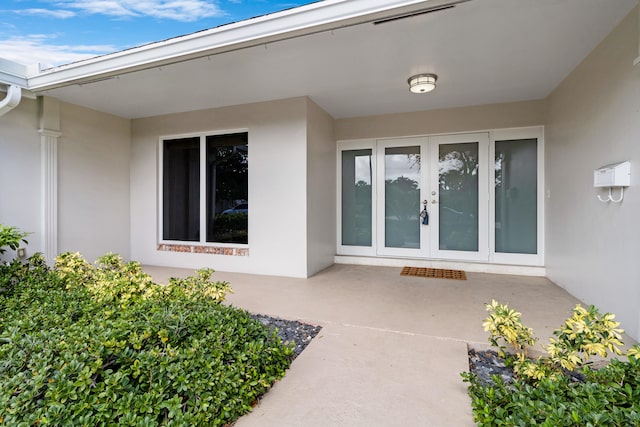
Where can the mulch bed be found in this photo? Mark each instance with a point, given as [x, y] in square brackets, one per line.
[486, 363]
[290, 331]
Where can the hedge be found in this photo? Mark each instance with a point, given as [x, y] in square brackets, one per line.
[102, 345]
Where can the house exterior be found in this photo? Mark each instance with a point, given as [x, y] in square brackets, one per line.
[306, 116]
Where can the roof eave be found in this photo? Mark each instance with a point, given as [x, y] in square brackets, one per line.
[304, 20]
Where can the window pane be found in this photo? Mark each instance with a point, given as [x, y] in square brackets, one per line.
[516, 169]
[402, 197]
[356, 198]
[458, 205]
[181, 189]
[227, 188]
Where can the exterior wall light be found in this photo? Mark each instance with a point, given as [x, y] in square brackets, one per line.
[422, 83]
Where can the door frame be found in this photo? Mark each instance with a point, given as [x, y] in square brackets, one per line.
[532, 132]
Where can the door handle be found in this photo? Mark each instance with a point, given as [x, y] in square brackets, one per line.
[424, 215]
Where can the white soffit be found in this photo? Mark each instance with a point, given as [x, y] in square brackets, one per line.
[316, 17]
[484, 52]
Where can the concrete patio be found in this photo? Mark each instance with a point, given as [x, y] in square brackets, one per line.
[391, 348]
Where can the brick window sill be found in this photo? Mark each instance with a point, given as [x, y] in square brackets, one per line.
[201, 249]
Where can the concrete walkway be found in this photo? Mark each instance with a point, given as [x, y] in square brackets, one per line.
[392, 347]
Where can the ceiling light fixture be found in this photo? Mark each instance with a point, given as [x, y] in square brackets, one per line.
[422, 83]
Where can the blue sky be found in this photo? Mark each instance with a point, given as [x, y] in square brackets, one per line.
[54, 32]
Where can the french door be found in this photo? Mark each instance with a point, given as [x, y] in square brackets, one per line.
[459, 196]
[403, 185]
[475, 196]
[432, 197]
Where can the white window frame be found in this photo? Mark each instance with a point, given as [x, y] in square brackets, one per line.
[203, 190]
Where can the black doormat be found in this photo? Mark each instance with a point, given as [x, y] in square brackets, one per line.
[436, 273]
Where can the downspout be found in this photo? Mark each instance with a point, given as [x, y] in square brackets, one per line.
[11, 101]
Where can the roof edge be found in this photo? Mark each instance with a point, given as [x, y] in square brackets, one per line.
[13, 73]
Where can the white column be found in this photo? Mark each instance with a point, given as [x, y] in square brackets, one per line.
[49, 200]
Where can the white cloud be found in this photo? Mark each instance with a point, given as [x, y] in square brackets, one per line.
[7, 26]
[62, 14]
[39, 48]
[101, 7]
[179, 10]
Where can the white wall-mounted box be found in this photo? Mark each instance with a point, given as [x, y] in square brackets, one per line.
[613, 175]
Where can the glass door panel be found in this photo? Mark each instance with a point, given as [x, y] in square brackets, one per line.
[458, 188]
[356, 198]
[460, 176]
[402, 179]
[402, 197]
[516, 196]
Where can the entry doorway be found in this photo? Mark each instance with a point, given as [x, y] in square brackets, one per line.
[428, 202]
[435, 197]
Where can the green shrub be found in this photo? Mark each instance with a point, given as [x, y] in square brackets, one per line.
[505, 327]
[103, 344]
[16, 274]
[11, 237]
[541, 394]
[609, 397]
[586, 333]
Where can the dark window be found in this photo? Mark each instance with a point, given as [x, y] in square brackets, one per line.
[225, 194]
[227, 188]
[181, 189]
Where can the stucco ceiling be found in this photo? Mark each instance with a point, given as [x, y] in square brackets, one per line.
[484, 52]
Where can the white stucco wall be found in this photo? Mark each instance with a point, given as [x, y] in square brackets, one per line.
[593, 248]
[93, 182]
[20, 171]
[277, 186]
[450, 120]
[321, 189]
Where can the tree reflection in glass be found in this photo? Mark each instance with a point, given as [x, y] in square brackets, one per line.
[356, 197]
[227, 188]
[458, 204]
[402, 197]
